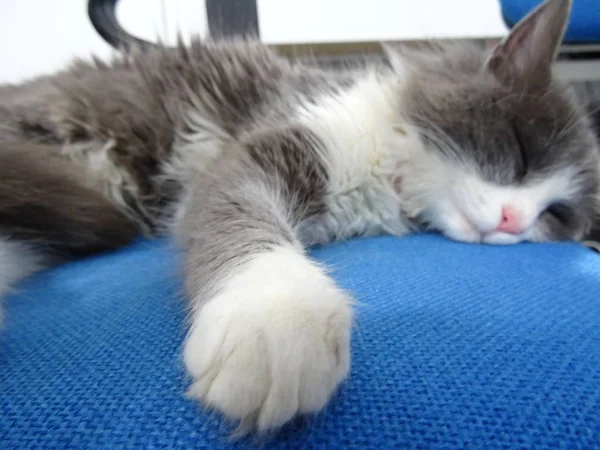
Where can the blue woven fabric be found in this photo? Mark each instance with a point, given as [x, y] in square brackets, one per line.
[455, 346]
[584, 25]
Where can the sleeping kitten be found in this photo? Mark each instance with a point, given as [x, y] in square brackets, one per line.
[248, 159]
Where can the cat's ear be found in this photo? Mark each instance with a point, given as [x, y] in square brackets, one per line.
[528, 52]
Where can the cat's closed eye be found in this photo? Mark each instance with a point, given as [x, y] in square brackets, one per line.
[561, 212]
[522, 150]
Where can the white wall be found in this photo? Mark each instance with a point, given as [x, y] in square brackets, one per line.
[39, 36]
[285, 21]
[36, 36]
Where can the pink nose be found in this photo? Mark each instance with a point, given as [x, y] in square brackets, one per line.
[511, 220]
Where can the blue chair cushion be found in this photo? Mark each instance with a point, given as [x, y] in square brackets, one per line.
[584, 25]
[455, 346]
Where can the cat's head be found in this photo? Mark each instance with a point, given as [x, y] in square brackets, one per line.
[510, 155]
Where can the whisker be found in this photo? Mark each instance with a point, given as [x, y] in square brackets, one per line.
[569, 126]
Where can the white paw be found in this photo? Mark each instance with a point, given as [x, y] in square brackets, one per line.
[273, 343]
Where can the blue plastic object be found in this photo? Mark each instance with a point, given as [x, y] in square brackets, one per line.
[584, 25]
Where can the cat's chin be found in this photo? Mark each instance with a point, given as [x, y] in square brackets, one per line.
[494, 238]
[460, 228]
[499, 238]
[462, 237]
[473, 237]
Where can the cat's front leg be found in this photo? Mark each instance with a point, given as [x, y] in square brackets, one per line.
[270, 331]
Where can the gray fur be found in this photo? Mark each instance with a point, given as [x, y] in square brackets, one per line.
[141, 102]
[102, 146]
[46, 202]
[249, 202]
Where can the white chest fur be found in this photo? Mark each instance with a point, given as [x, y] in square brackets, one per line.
[364, 143]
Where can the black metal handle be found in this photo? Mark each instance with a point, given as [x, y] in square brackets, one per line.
[225, 18]
[102, 14]
[232, 18]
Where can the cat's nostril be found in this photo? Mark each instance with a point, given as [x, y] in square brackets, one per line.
[511, 221]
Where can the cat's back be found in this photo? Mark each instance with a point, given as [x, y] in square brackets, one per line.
[122, 121]
[233, 83]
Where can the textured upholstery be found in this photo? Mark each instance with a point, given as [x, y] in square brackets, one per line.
[455, 346]
[584, 26]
